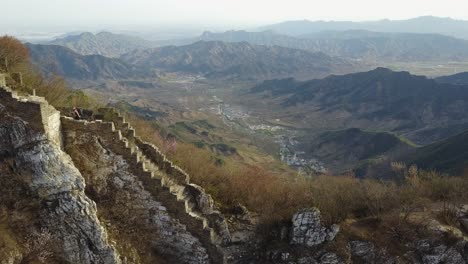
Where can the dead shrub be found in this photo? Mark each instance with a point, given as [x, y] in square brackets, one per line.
[276, 197]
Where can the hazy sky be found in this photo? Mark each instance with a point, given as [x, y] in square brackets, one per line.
[216, 12]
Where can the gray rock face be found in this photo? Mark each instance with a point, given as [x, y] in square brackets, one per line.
[428, 253]
[308, 230]
[48, 175]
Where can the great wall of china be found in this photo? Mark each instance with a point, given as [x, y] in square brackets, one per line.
[136, 196]
[167, 183]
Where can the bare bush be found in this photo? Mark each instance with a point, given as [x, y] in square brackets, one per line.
[12, 53]
[277, 197]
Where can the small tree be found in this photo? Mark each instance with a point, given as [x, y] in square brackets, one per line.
[12, 53]
[79, 98]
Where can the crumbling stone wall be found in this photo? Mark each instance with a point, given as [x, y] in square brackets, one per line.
[41, 116]
[198, 203]
[196, 237]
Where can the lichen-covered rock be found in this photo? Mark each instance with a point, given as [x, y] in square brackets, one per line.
[330, 258]
[306, 260]
[426, 252]
[308, 230]
[367, 252]
[362, 249]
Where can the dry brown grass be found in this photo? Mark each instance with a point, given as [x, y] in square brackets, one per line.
[257, 188]
[277, 197]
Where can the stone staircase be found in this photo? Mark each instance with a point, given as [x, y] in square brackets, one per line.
[167, 183]
[198, 204]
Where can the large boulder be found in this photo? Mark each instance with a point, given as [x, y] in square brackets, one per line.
[308, 230]
[367, 252]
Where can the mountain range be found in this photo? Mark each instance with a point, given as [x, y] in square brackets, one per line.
[356, 44]
[238, 60]
[425, 24]
[54, 59]
[359, 44]
[416, 107]
[103, 43]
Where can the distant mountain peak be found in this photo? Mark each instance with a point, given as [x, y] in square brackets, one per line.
[424, 24]
[358, 44]
[241, 59]
[103, 43]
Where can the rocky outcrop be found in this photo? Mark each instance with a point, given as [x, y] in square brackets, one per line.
[308, 230]
[43, 191]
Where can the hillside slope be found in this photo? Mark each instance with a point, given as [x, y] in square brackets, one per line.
[347, 149]
[450, 155]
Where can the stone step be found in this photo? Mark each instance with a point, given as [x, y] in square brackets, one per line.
[166, 182]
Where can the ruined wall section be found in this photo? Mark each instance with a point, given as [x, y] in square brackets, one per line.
[112, 139]
[198, 203]
[187, 203]
[40, 115]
